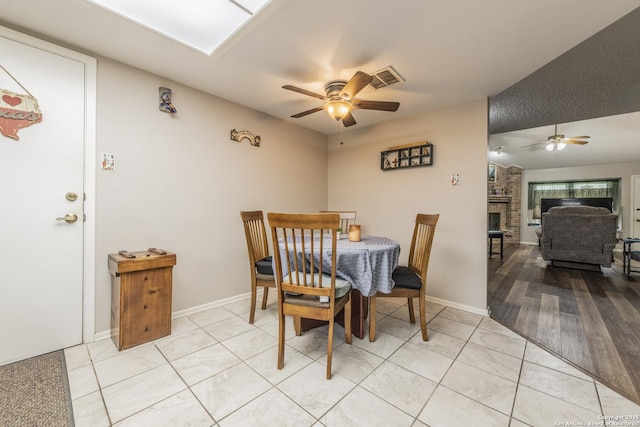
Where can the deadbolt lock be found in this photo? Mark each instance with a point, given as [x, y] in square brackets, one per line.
[72, 197]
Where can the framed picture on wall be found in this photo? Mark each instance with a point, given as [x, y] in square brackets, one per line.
[401, 157]
[492, 173]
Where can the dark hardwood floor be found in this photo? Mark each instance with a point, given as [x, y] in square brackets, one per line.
[591, 319]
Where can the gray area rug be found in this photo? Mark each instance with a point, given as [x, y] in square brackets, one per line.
[35, 392]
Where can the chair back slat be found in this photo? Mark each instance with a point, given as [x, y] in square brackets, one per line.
[300, 251]
[421, 243]
[346, 219]
[256, 235]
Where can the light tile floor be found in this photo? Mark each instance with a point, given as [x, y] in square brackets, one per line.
[217, 370]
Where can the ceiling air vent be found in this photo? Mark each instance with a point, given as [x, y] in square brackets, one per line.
[385, 77]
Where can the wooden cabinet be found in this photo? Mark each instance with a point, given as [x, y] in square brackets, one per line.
[407, 157]
[141, 286]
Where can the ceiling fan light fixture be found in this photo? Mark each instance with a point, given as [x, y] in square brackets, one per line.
[555, 146]
[338, 109]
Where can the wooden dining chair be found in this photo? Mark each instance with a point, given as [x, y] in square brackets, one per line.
[260, 262]
[305, 261]
[411, 281]
[346, 219]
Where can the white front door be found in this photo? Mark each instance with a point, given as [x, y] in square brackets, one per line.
[41, 175]
[635, 205]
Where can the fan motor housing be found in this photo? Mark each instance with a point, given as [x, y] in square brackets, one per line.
[334, 87]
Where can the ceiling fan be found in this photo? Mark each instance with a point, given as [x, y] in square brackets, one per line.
[557, 142]
[340, 97]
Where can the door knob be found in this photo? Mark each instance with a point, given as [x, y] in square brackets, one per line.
[70, 218]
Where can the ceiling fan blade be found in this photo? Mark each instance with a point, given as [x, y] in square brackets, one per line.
[355, 85]
[575, 141]
[306, 113]
[534, 144]
[348, 120]
[578, 137]
[376, 105]
[305, 92]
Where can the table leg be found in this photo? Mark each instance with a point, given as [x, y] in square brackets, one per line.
[359, 312]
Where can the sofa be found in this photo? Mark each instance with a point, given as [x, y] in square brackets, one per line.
[578, 236]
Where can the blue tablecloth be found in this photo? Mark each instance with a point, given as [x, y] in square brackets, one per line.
[367, 264]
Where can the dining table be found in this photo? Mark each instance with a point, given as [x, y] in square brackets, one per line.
[367, 265]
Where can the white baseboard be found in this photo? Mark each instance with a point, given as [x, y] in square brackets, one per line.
[209, 305]
[103, 335]
[192, 310]
[464, 307]
[186, 312]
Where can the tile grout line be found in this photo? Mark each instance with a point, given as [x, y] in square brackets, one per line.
[275, 386]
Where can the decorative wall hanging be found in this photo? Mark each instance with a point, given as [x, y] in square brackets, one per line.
[165, 101]
[238, 135]
[407, 156]
[17, 110]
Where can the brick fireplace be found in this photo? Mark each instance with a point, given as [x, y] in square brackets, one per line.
[505, 195]
[499, 212]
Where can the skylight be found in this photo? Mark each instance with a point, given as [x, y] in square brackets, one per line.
[200, 24]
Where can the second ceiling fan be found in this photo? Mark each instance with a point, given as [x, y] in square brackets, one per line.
[558, 141]
[340, 97]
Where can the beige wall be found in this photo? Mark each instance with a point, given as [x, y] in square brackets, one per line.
[624, 171]
[180, 182]
[387, 202]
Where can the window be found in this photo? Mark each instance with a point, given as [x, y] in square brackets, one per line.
[569, 189]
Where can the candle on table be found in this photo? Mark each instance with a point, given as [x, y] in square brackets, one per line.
[354, 233]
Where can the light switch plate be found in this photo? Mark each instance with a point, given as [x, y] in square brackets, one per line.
[108, 161]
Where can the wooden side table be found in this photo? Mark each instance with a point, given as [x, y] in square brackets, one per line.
[141, 285]
[628, 254]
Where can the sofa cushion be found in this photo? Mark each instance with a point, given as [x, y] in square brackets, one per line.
[578, 210]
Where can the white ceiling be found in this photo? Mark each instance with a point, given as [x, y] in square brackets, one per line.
[448, 51]
[613, 139]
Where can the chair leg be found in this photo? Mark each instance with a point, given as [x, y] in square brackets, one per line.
[253, 304]
[297, 325]
[423, 319]
[412, 316]
[330, 349]
[265, 295]
[281, 326]
[372, 318]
